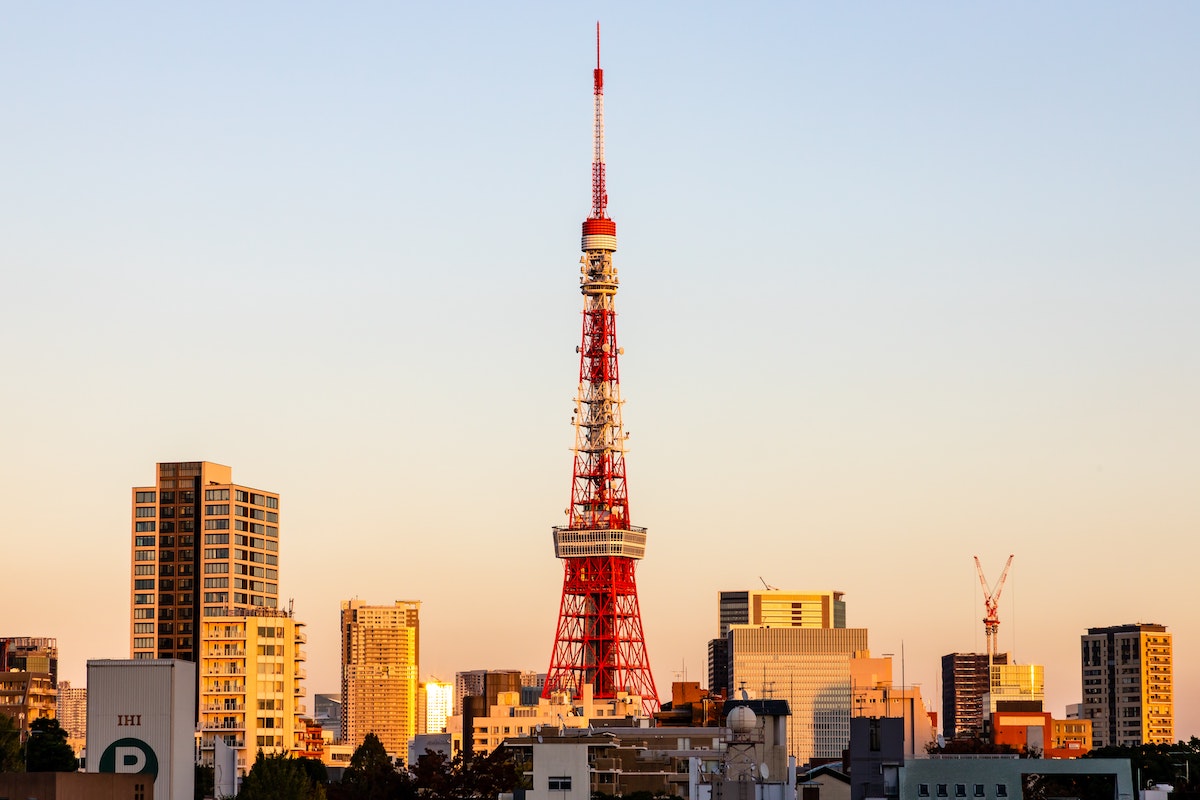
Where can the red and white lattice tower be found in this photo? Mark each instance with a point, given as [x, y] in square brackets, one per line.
[599, 641]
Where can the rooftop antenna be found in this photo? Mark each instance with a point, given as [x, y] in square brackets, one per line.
[768, 586]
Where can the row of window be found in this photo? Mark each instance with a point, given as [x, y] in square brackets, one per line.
[960, 790]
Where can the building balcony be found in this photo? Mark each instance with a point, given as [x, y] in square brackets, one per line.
[220, 634]
[301, 637]
[223, 726]
[234, 671]
[237, 744]
[219, 707]
[301, 691]
[226, 688]
[301, 674]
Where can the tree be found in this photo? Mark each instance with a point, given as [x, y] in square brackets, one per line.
[46, 748]
[279, 777]
[1176, 764]
[10, 746]
[204, 784]
[371, 776]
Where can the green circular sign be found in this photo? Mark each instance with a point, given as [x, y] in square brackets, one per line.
[129, 755]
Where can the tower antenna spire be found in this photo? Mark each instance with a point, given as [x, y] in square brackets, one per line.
[599, 193]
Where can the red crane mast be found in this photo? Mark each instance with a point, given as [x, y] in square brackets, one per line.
[991, 608]
[599, 639]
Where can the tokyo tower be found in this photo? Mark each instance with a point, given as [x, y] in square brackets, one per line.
[599, 639]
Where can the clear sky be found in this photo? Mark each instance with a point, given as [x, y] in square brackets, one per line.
[901, 284]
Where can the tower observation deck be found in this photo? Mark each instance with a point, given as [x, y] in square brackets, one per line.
[599, 638]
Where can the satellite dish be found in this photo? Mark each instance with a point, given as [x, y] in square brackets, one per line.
[766, 773]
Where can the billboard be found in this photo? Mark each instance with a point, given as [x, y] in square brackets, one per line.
[141, 718]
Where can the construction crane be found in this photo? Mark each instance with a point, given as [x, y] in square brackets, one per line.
[991, 604]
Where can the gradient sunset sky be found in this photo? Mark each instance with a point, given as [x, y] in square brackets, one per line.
[901, 284]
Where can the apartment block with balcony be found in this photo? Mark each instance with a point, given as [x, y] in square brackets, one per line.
[251, 684]
[201, 545]
[1128, 685]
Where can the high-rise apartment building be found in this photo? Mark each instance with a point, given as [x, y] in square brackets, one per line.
[1128, 685]
[72, 713]
[251, 669]
[964, 683]
[380, 657]
[202, 545]
[810, 669]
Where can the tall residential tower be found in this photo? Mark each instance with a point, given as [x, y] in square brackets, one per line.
[202, 546]
[1128, 685]
[380, 654]
[599, 640]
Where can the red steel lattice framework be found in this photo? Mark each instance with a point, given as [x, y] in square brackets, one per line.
[599, 639]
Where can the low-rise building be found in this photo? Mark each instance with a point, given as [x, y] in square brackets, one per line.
[1009, 778]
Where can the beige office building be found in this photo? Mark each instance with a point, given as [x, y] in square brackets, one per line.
[810, 669]
[202, 545]
[1128, 685]
[780, 609]
[251, 684]
[380, 666]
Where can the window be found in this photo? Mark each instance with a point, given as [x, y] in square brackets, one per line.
[143, 599]
[216, 538]
[216, 524]
[217, 510]
[922, 790]
[216, 569]
[144, 511]
[143, 555]
[1001, 790]
[960, 790]
[272, 502]
[143, 584]
[560, 783]
[216, 494]
[979, 790]
[143, 527]
[240, 496]
[143, 541]
[143, 497]
[143, 642]
[216, 552]
[941, 790]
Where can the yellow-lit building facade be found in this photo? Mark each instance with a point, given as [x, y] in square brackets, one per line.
[380, 655]
[251, 684]
[1015, 683]
[435, 705]
[1128, 685]
[201, 545]
[781, 609]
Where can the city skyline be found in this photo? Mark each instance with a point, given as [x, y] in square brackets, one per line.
[935, 267]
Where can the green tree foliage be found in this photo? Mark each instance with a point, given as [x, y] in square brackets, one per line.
[203, 784]
[46, 748]
[440, 778]
[371, 776]
[1176, 764]
[279, 777]
[10, 745]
